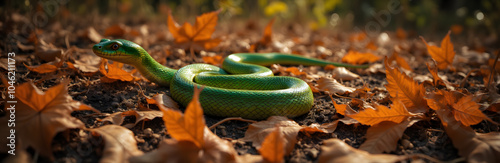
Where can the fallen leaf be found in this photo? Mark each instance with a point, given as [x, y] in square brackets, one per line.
[257, 132]
[357, 58]
[187, 127]
[268, 32]
[475, 147]
[88, 63]
[114, 72]
[198, 35]
[404, 88]
[401, 62]
[117, 30]
[295, 71]
[437, 81]
[93, 35]
[118, 117]
[214, 60]
[120, 143]
[383, 137]
[341, 73]
[357, 37]
[396, 114]
[335, 150]
[343, 109]
[332, 86]
[273, 147]
[41, 115]
[442, 55]
[214, 149]
[463, 107]
[44, 68]
[162, 99]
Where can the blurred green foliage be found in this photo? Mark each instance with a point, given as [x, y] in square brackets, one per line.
[422, 16]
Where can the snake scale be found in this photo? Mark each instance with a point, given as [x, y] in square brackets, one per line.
[243, 87]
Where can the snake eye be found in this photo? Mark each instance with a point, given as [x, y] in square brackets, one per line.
[115, 46]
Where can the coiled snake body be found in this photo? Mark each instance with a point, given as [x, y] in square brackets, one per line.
[242, 88]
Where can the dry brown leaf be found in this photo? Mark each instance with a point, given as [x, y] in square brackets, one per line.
[88, 63]
[120, 143]
[214, 149]
[442, 55]
[41, 115]
[44, 68]
[47, 52]
[384, 136]
[117, 30]
[332, 86]
[335, 150]
[475, 147]
[214, 60]
[199, 35]
[295, 71]
[257, 132]
[396, 114]
[114, 72]
[342, 73]
[273, 147]
[406, 89]
[162, 99]
[354, 57]
[187, 127]
[93, 35]
[401, 62]
[343, 109]
[118, 117]
[463, 107]
[438, 80]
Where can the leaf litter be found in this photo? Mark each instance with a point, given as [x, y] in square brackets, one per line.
[382, 110]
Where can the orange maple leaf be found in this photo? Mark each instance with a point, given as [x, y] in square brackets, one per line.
[406, 89]
[273, 147]
[41, 115]
[188, 127]
[198, 35]
[114, 72]
[354, 57]
[266, 37]
[463, 107]
[442, 55]
[397, 114]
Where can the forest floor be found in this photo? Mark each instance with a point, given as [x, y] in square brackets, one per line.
[423, 137]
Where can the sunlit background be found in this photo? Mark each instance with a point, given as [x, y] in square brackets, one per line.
[464, 17]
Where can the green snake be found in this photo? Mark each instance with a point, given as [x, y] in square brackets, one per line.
[243, 87]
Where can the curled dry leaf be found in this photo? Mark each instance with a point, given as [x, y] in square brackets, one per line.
[406, 89]
[162, 99]
[41, 115]
[383, 137]
[332, 86]
[437, 80]
[335, 150]
[342, 73]
[93, 35]
[354, 57]
[120, 143]
[401, 62]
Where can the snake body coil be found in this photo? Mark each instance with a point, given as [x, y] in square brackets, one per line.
[242, 88]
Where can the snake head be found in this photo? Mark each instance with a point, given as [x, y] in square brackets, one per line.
[119, 50]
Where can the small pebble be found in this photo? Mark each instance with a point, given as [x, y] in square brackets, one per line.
[139, 140]
[223, 132]
[148, 132]
[115, 104]
[424, 150]
[407, 144]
